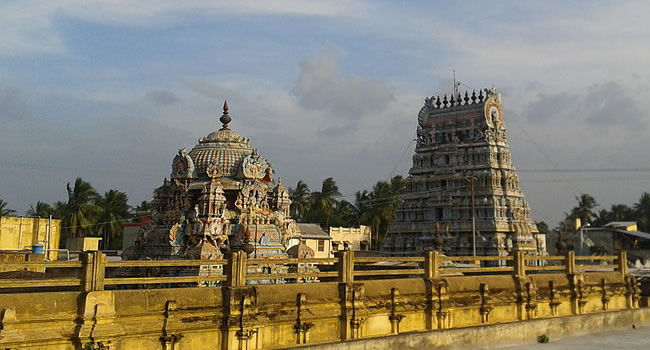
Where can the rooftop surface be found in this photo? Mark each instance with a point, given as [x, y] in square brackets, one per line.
[632, 339]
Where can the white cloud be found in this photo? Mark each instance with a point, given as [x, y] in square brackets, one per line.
[321, 87]
[555, 63]
[27, 27]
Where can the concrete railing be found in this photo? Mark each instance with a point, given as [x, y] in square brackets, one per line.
[93, 273]
[99, 304]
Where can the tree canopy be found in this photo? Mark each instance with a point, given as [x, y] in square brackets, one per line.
[4, 210]
[374, 208]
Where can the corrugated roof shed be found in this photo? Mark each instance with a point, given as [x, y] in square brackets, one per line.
[312, 231]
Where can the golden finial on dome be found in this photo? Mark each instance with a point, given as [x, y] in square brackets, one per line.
[225, 118]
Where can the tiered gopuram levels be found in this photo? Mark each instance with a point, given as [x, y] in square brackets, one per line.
[221, 197]
[462, 161]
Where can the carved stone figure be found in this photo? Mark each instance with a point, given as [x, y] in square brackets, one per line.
[213, 170]
[182, 165]
[254, 166]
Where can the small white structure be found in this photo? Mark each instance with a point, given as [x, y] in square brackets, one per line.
[313, 236]
[351, 238]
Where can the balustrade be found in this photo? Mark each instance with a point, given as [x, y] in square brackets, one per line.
[93, 272]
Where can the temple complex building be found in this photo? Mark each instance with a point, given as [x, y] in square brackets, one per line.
[221, 196]
[463, 194]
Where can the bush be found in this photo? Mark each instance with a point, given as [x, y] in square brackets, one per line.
[543, 338]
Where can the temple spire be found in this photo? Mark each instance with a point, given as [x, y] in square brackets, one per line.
[225, 118]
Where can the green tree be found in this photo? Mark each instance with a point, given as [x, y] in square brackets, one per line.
[80, 211]
[377, 207]
[59, 210]
[369, 208]
[602, 217]
[4, 211]
[113, 211]
[142, 209]
[621, 212]
[585, 209]
[300, 201]
[542, 227]
[642, 209]
[345, 214]
[324, 202]
[41, 209]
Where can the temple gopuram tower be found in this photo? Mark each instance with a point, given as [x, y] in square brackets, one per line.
[221, 197]
[463, 182]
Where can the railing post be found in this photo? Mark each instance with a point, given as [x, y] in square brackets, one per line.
[432, 260]
[93, 270]
[346, 266]
[519, 264]
[236, 270]
[622, 263]
[570, 262]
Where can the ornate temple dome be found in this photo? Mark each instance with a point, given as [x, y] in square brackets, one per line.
[223, 148]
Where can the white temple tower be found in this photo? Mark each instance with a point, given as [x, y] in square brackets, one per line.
[463, 193]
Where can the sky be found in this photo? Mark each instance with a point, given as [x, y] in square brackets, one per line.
[110, 90]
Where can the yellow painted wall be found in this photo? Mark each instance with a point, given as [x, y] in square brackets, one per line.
[22, 233]
[268, 316]
[313, 244]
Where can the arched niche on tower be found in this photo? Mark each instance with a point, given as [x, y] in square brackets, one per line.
[493, 111]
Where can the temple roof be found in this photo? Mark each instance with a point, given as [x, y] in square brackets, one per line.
[312, 231]
[224, 147]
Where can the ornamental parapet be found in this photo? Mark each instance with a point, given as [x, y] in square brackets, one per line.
[355, 298]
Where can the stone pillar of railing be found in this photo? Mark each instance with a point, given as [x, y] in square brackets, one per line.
[436, 296]
[521, 281]
[570, 263]
[345, 266]
[236, 270]
[432, 262]
[622, 263]
[519, 264]
[575, 283]
[93, 267]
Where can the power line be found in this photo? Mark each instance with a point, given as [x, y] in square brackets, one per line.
[545, 155]
[400, 158]
[587, 170]
[132, 173]
[49, 168]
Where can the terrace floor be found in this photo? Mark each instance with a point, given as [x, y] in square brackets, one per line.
[632, 339]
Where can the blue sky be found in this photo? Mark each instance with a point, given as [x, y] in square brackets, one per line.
[109, 90]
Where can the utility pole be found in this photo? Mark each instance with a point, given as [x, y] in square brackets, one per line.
[473, 219]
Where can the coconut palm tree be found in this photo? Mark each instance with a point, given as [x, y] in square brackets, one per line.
[377, 208]
[345, 214]
[41, 209]
[369, 211]
[4, 211]
[325, 201]
[80, 210]
[300, 201]
[113, 211]
[59, 210]
[603, 217]
[585, 209]
[389, 194]
[621, 212]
